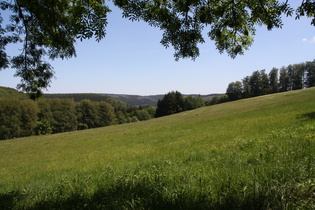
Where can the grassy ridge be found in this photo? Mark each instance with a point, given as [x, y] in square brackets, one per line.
[255, 154]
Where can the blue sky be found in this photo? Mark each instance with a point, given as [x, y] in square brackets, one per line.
[131, 60]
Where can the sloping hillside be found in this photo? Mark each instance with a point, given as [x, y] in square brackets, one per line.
[256, 153]
[6, 93]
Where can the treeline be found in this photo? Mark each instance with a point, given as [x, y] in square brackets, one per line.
[292, 77]
[20, 118]
[174, 102]
[24, 117]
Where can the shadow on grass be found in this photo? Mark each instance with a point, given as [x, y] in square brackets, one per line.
[307, 116]
[9, 200]
[133, 197]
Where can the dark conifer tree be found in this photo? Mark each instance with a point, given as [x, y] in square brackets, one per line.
[284, 80]
[273, 81]
[310, 73]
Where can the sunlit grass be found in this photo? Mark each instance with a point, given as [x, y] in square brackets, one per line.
[255, 153]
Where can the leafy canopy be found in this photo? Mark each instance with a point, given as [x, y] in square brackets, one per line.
[50, 28]
[47, 29]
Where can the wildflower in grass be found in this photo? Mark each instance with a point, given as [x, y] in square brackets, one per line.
[214, 148]
[309, 136]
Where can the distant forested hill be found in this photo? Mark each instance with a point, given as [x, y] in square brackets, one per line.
[136, 100]
[117, 100]
[11, 93]
[90, 96]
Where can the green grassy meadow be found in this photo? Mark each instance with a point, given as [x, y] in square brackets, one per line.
[256, 153]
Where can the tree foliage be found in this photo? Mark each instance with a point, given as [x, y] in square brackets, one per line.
[63, 115]
[92, 114]
[87, 113]
[292, 77]
[246, 87]
[273, 80]
[191, 102]
[50, 28]
[106, 114]
[230, 23]
[174, 102]
[284, 80]
[234, 90]
[264, 79]
[255, 83]
[171, 103]
[25, 117]
[47, 28]
[310, 74]
[17, 118]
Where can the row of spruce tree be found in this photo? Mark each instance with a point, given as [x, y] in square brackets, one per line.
[20, 118]
[292, 77]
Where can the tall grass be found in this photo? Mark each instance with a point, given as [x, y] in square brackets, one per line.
[250, 154]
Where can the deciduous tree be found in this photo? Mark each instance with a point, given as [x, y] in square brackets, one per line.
[171, 103]
[64, 115]
[46, 28]
[87, 113]
[234, 90]
[10, 119]
[247, 92]
[191, 102]
[17, 118]
[29, 112]
[106, 114]
[230, 23]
